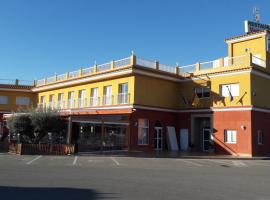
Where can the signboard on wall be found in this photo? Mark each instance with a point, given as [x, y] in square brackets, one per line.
[255, 26]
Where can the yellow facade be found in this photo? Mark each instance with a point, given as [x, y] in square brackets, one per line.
[88, 86]
[12, 95]
[259, 91]
[152, 84]
[156, 92]
[256, 46]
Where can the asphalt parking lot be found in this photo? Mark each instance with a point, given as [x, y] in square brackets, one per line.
[115, 177]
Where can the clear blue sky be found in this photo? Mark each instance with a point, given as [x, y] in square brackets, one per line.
[41, 37]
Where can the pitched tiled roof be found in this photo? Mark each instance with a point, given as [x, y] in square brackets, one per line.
[17, 87]
[247, 34]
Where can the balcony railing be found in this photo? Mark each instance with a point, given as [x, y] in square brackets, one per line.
[16, 82]
[107, 100]
[119, 99]
[94, 101]
[226, 62]
[85, 71]
[123, 98]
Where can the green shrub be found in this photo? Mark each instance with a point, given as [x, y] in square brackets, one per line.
[35, 124]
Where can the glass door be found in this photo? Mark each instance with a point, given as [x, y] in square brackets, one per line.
[207, 141]
[107, 99]
[158, 138]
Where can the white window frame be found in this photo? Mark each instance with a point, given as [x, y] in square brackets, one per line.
[3, 100]
[123, 86]
[260, 137]
[203, 91]
[42, 100]
[107, 95]
[107, 90]
[82, 94]
[94, 100]
[230, 136]
[233, 87]
[52, 98]
[71, 99]
[23, 101]
[60, 97]
[94, 92]
[143, 128]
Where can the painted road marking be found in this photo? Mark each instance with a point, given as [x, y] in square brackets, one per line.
[192, 163]
[33, 160]
[222, 162]
[115, 161]
[75, 160]
[238, 163]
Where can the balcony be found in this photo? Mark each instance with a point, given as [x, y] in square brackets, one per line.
[221, 64]
[119, 99]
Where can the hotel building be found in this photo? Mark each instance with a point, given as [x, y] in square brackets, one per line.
[135, 104]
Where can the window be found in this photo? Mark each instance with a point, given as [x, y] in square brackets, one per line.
[123, 93]
[260, 136]
[94, 92]
[123, 88]
[230, 136]
[42, 101]
[82, 98]
[202, 92]
[61, 100]
[229, 88]
[71, 97]
[94, 97]
[3, 100]
[107, 99]
[82, 94]
[24, 101]
[61, 97]
[143, 127]
[51, 100]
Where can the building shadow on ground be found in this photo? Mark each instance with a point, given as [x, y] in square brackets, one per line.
[51, 193]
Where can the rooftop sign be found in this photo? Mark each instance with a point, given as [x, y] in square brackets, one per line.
[255, 26]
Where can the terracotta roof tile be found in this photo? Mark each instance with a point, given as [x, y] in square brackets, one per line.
[23, 87]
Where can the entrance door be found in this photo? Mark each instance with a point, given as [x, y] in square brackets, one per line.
[158, 138]
[206, 139]
[183, 139]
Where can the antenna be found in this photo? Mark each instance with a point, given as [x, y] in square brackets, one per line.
[256, 14]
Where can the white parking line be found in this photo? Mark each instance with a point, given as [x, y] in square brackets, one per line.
[221, 162]
[115, 161]
[31, 161]
[238, 163]
[191, 163]
[75, 160]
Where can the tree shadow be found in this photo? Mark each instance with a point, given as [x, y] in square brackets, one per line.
[50, 193]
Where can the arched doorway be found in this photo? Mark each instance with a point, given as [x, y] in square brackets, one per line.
[158, 136]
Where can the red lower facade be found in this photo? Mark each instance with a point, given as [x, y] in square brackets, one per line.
[241, 131]
[245, 123]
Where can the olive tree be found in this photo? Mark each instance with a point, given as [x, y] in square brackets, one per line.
[21, 124]
[47, 121]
